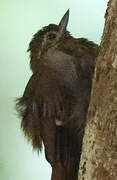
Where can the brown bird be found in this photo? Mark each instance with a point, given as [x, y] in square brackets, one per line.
[55, 101]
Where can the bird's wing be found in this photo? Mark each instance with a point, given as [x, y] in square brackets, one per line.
[26, 100]
[48, 95]
[28, 109]
[40, 106]
[42, 96]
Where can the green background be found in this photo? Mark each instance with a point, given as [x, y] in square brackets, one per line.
[19, 20]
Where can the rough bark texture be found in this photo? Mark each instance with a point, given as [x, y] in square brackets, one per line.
[99, 156]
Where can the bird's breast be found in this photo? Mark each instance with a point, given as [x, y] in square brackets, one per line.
[63, 65]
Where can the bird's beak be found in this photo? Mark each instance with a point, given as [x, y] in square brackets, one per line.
[64, 21]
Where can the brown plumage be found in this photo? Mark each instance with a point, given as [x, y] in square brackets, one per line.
[55, 101]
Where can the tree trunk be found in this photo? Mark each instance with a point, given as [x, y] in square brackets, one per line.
[99, 154]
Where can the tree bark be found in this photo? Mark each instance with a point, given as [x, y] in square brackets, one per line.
[99, 153]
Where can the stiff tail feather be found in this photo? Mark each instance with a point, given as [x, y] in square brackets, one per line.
[67, 156]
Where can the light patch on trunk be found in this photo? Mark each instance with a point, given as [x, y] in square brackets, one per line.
[114, 64]
[58, 122]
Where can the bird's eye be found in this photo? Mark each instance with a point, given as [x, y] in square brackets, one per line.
[51, 36]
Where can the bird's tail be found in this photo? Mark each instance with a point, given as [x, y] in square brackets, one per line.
[67, 156]
[59, 172]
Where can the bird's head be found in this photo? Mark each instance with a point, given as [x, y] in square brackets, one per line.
[48, 37]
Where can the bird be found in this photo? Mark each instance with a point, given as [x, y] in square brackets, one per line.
[54, 105]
